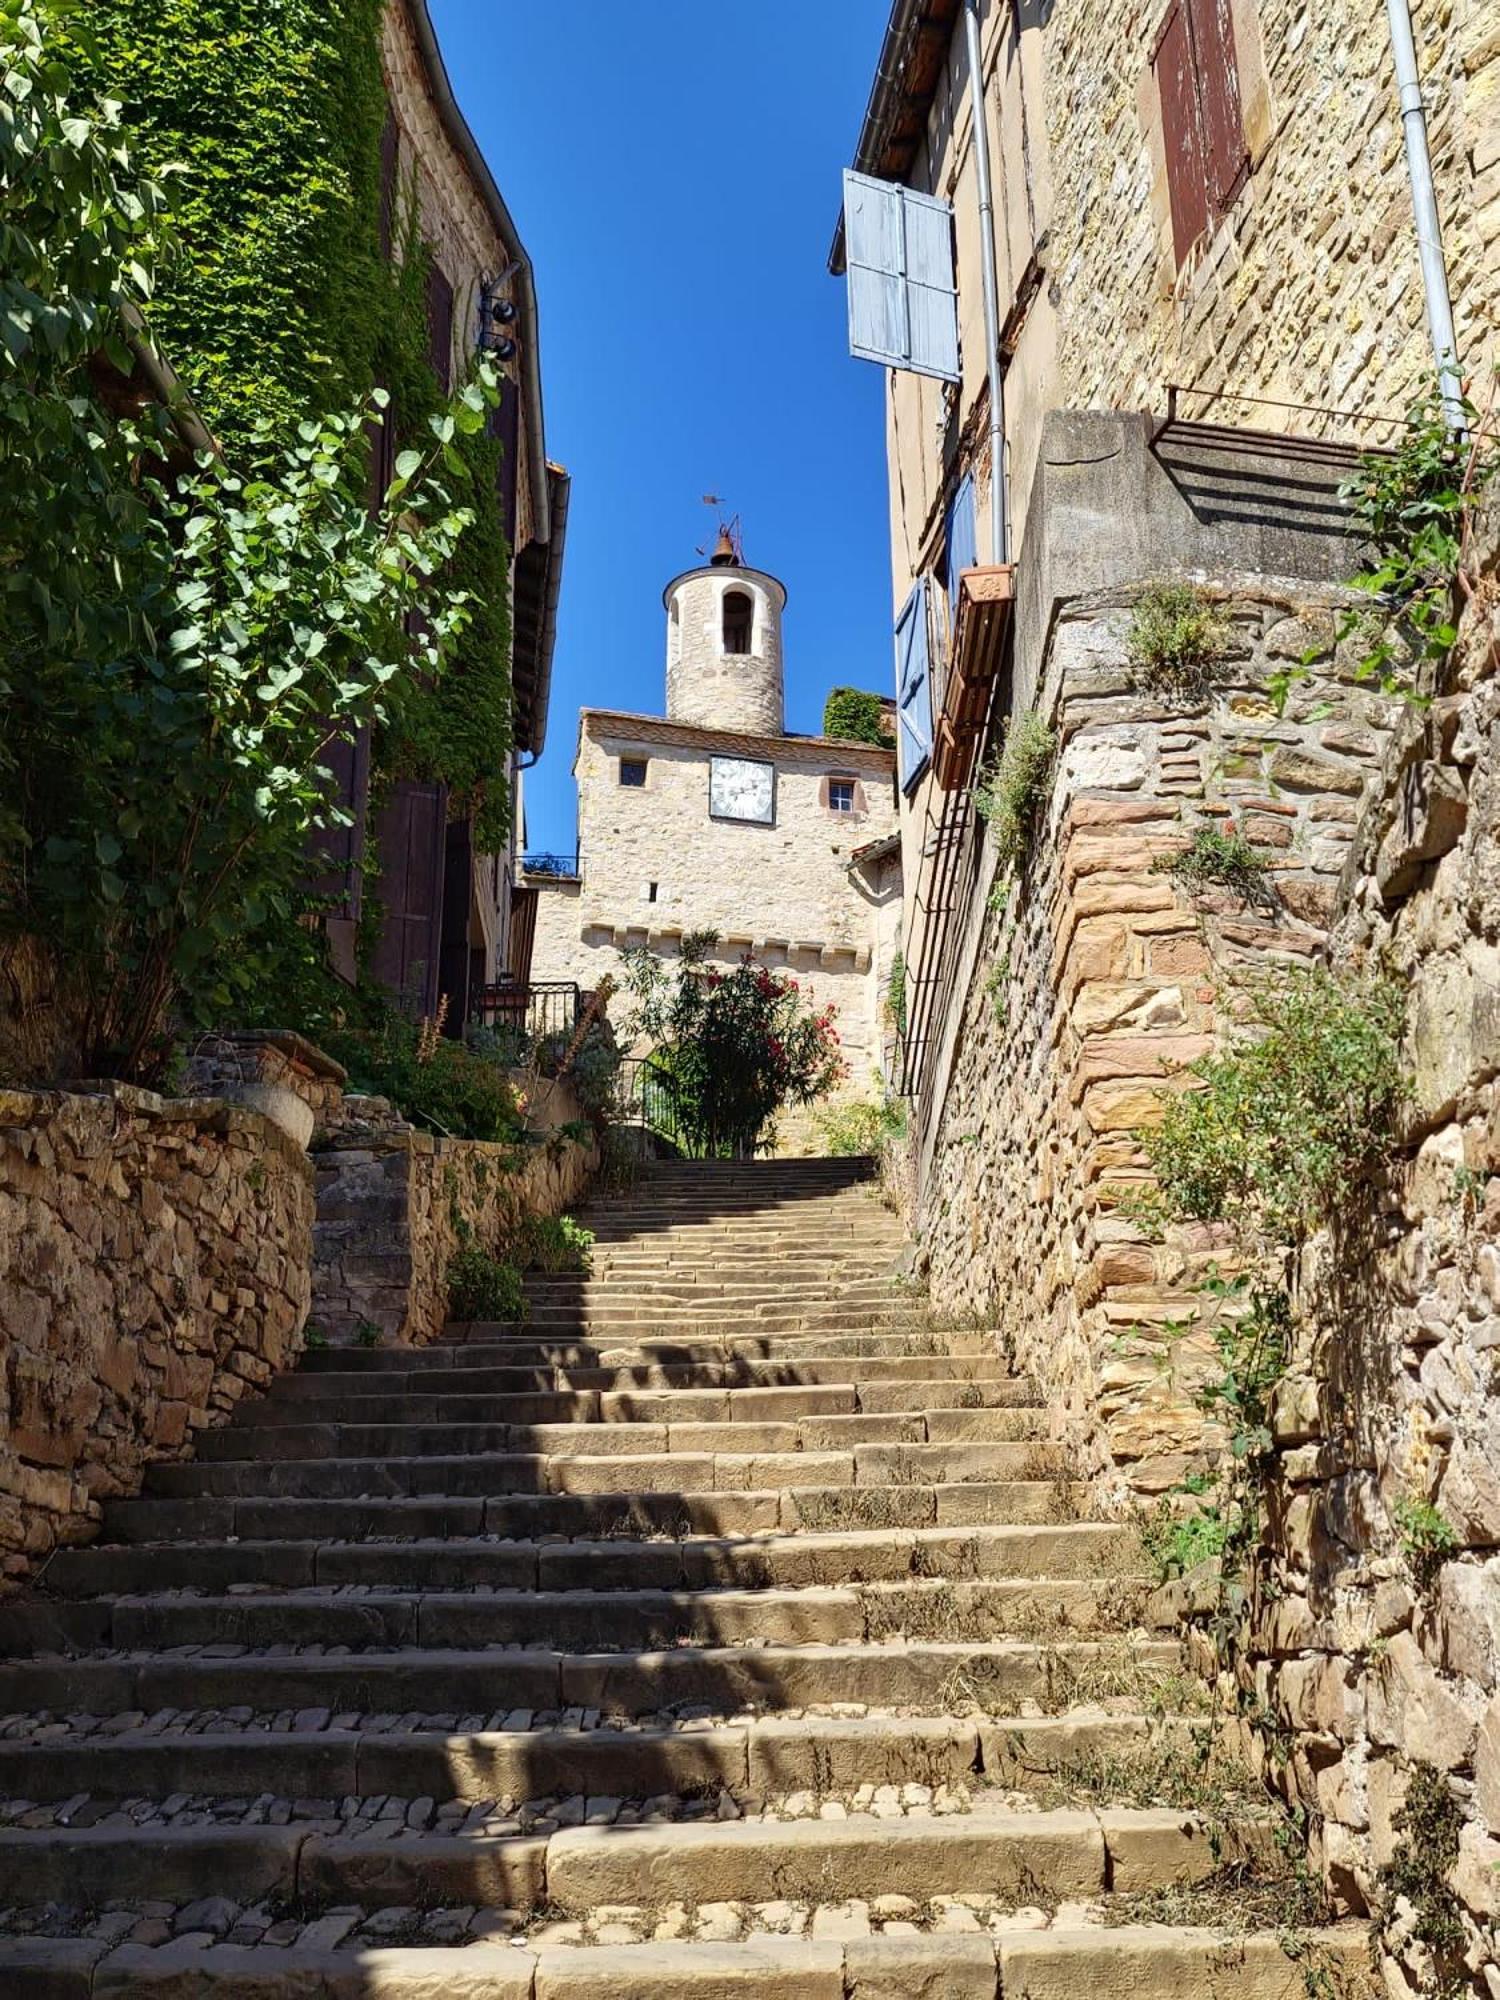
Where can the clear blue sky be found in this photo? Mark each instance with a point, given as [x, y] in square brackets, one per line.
[673, 169]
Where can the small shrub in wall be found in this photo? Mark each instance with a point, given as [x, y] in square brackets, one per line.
[1216, 859]
[855, 1130]
[1178, 636]
[1012, 792]
[482, 1287]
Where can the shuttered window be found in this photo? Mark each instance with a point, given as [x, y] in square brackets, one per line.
[1203, 131]
[963, 542]
[903, 301]
[913, 688]
[440, 326]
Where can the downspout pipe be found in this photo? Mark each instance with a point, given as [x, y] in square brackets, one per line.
[999, 545]
[1424, 206]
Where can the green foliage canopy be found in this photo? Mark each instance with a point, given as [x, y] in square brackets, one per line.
[855, 716]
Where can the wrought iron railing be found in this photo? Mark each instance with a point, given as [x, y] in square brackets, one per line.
[550, 864]
[647, 1099]
[543, 1007]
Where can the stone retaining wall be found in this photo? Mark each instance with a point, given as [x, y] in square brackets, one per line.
[155, 1255]
[1367, 1660]
[1098, 980]
[394, 1204]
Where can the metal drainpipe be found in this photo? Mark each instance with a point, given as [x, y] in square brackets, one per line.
[1424, 205]
[998, 541]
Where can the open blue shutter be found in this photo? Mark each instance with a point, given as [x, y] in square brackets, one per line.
[913, 688]
[903, 302]
[963, 542]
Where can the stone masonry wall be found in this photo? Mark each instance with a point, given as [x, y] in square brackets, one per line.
[1368, 1662]
[154, 1258]
[1098, 981]
[1310, 290]
[394, 1204]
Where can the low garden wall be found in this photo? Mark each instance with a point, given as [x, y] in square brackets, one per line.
[156, 1257]
[395, 1205]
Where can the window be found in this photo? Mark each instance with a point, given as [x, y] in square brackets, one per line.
[1203, 132]
[841, 795]
[632, 771]
[903, 304]
[739, 620]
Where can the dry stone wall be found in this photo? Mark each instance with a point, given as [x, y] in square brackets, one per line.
[1375, 1644]
[394, 1204]
[1100, 979]
[154, 1269]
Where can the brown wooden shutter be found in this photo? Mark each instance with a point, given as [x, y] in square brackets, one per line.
[389, 158]
[1177, 84]
[1225, 157]
[454, 963]
[412, 835]
[440, 326]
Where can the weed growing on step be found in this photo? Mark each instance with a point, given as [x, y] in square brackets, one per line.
[1178, 636]
[1214, 859]
[314, 1339]
[1013, 789]
[1175, 1543]
[366, 1333]
[850, 1131]
[557, 1243]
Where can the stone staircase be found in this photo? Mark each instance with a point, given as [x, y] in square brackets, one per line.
[722, 1627]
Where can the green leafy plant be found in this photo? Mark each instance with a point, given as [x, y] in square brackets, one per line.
[852, 1131]
[437, 1083]
[1284, 1123]
[895, 994]
[736, 1047]
[854, 716]
[1428, 1538]
[1176, 1543]
[366, 1333]
[997, 988]
[557, 1243]
[483, 1287]
[1215, 859]
[1413, 510]
[1177, 636]
[1012, 791]
[177, 653]
[314, 1339]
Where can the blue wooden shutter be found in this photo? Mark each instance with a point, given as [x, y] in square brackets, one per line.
[963, 542]
[913, 688]
[903, 301]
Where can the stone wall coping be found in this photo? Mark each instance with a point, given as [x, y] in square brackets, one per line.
[34, 1106]
[295, 1047]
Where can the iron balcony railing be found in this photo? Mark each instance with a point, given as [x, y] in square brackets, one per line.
[550, 864]
[541, 1008]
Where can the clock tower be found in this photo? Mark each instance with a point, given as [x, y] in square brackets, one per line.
[724, 645]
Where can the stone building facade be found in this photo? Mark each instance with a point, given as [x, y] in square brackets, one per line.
[446, 909]
[713, 817]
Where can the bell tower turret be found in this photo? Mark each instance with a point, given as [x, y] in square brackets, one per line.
[724, 645]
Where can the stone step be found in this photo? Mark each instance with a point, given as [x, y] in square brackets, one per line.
[584, 1620]
[874, 1465]
[1014, 1855]
[1187, 1963]
[257, 1517]
[960, 1404]
[505, 1377]
[1079, 1550]
[444, 1439]
[773, 1757]
[929, 1676]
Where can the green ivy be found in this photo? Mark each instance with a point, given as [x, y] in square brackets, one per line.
[855, 716]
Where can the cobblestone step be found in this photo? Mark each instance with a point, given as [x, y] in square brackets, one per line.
[1079, 1549]
[495, 1374]
[359, 1403]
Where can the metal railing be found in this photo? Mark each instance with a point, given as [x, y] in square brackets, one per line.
[647, 1099]
[550, 864]
[544, 1007]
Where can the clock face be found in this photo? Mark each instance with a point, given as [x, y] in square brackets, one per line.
[742, 788]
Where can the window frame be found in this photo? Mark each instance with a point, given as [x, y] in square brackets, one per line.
[642, 764]
[844, 782]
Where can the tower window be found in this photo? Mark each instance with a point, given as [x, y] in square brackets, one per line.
[841, 795]
[739, 620]
[632, 771]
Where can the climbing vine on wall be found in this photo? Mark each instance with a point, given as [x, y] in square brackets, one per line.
[280, 305]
